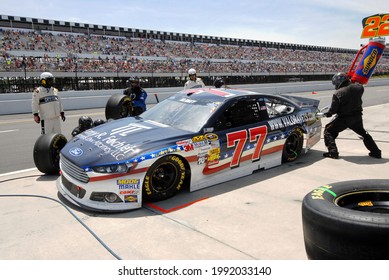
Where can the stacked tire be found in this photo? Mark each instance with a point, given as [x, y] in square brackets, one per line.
[347, 221]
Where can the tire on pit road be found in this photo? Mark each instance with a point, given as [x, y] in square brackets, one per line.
[164, 178]
[293, 145]
[347, 220]
[118, 106]
[46, 152]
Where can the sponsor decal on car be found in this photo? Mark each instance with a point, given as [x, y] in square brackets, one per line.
[130, 198]
[211, 136]
[202, 159]
[128, 184]
[108, 143]
[290, 120]
[76, 152]
[187, 100]
[184, 142]
[198, 138]
[127, 192]
[213, 156]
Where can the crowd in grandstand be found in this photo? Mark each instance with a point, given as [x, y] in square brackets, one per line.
[70, 52]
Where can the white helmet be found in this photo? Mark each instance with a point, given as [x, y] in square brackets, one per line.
[192, 71]
[47, 80]
[46, 75]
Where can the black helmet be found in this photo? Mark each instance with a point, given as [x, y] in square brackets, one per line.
[131, 80]
[98, 122]
[85, 123]
[340, 79]
[47, 80]
[219, 82]
[76, 131]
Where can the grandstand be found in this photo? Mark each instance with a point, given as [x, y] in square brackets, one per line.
[90, 56]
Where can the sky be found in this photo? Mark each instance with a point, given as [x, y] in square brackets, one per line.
[329, 23]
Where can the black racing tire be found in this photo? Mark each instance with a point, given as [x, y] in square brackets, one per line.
[347, 221]
[118, 106]
[46, 152]
[293, 145]
[164, 178]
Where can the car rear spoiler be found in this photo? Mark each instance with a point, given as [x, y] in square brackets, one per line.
[303, 101]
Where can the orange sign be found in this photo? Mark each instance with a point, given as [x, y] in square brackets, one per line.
[375, 26]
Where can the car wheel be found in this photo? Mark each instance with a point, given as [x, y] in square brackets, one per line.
[164, 178]
[293, 145]
[347, 220]
[118, 106]
[46, 152]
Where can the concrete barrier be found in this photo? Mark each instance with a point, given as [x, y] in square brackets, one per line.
[20, 103]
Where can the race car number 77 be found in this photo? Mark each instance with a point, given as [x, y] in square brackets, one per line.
[239, 139]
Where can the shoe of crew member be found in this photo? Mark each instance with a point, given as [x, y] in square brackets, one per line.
[375, 154]
[331, 155]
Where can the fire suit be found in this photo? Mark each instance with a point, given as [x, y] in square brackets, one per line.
[198, 83]
[347, 104]
[47, 109]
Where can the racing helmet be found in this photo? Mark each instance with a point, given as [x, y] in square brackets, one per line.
[47, 80]
[219, 82]
[192, 74]
[340, 79]
[191, 71]
[98, 122]
[85, 122]
[132, 80]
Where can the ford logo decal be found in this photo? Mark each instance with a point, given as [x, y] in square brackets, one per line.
[76, 152]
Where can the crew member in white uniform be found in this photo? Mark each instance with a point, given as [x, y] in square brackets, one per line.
[47, 106]
[193, 81]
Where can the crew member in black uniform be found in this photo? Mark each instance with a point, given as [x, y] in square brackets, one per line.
[219, 82]
[347, 105]
[138, 95]
[84, 123]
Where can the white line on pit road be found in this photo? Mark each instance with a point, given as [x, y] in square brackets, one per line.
[18, 172]
[5, 131]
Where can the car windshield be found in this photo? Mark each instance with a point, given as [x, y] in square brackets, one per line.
[182, 113]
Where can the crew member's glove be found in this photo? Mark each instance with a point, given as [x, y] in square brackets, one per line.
[328, 115]
[63, 116]
[37, 119]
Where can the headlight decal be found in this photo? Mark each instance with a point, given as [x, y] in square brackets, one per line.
[133, 170]
[112, 168]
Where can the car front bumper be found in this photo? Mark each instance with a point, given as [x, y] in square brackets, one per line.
[81, 194]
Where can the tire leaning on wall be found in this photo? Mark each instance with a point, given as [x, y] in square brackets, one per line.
[347, 220]
[46, 152]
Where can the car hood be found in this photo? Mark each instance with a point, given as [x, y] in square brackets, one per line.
[121, 141]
